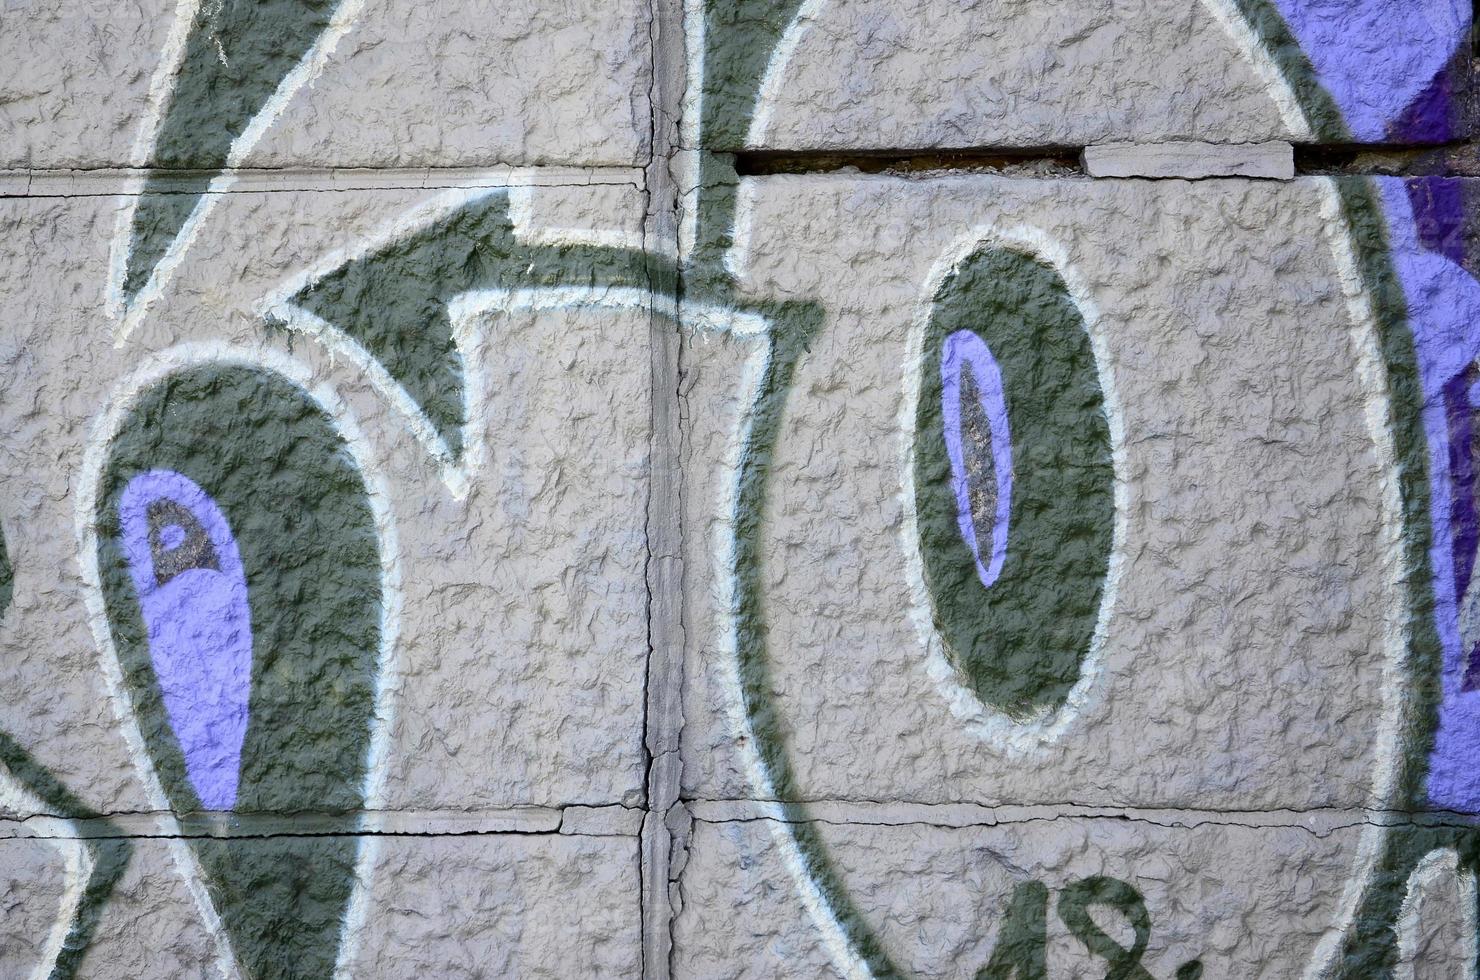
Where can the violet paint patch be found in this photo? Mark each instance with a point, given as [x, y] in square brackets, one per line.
[1443, 306]
[192, 591]
[1379, 59]
[964, 349]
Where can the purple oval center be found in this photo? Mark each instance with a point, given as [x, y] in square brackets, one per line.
[964, 350]
[192, 590]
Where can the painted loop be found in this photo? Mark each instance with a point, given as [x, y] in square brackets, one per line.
[1015, 520]
[965, 352]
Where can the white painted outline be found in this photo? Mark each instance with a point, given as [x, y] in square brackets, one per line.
[1431, 871]
[1275, 83]
[761, 117]
[472, 345]
[686, 161]
[456, 473]
[105, 430]
[522, 194]
[726, 597]
[1012, 736]
[1396, 707]
[76, 858]
[130, 313]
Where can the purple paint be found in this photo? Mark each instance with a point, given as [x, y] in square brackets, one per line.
[1378, 59]
[1443, 303]
[192, 591]
[965, 349]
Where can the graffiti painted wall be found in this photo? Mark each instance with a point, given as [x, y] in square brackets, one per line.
[739, 488]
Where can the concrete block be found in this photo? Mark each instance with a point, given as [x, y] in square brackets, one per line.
[1274, 160]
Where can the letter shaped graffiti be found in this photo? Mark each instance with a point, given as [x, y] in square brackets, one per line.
[1014, 487]
[240, 565]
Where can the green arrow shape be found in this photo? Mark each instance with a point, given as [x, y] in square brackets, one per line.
[237, 54]
[393, 301]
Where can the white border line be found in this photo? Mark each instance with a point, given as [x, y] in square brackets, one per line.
[761, 116]
[998, 729]
[78, 863]
[726, 597]
[130, 314]
[1275, 83]
[1431, 872]
[105, 429]
[1372, 373]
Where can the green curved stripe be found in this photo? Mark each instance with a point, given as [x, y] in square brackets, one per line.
[1327, 125]
[108, 850]
[1369, 946]
[793, 326]
[1020, 644]
[236, 55]
[300, 513]
[7, 577]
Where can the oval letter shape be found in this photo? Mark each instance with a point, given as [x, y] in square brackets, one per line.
[240, 564]
[1014, 485]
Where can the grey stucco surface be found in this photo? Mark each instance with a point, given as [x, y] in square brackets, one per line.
[660, 692]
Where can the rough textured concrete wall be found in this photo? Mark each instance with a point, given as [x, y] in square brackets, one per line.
[739, 488]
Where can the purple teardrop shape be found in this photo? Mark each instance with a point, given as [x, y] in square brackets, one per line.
[192, 591]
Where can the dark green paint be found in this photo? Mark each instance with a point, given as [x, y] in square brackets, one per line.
[236, 54]
[1019, 644]
[301, 516]
[107, 848]
[1021, 952]
[393, 302]
[1327, 125]
[1075, 901]
[7, 578]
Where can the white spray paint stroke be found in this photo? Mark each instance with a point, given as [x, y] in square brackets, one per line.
[742, 236]
[726, 597]
[770, 88]
[1438, 868]
[95, 456]
[523, 200]
[686, 163]
[1275, 83]
[456, 472]
[131, 313]
[1372, 372]
[159, 92]
[77, 863]
[1014, 736]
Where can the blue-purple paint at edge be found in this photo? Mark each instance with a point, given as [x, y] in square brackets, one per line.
[197, 620]
[965, 349]
[1443, 302]
[1384, 63]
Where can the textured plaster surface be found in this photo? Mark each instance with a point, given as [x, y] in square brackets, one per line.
[868, 73]
[1235, 367]
[429, 84]
[546, 554]
[593, 654]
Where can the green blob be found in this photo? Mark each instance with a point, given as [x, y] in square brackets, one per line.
[300, 513]
[1021, 952]
[1020, 643]
[236, 55]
